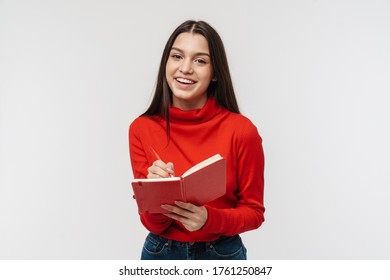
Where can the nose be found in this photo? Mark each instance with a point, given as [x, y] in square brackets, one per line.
[186, 66]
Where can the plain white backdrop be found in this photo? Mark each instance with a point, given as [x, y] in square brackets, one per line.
[312, 75]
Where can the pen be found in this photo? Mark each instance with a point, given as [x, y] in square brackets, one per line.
[158, 157]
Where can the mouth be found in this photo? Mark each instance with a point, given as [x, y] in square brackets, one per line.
[185, 81]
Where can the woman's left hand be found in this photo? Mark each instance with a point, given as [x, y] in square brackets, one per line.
[191, 216]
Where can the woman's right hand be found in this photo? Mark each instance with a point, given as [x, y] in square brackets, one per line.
[160, 169]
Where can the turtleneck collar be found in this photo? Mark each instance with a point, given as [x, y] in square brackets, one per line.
[209, 110]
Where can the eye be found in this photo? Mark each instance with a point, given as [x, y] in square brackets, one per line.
[176, 56]
[200, 60]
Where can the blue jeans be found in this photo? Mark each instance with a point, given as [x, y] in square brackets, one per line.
[224, 248]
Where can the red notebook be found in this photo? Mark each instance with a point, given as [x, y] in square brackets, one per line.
[202, 183]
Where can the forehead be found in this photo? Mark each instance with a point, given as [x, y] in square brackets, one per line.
[189, 42]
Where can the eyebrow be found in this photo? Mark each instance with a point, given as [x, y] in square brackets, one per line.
[198, 53]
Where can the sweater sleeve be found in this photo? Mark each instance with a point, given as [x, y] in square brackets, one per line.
[156, 223]
[249, 211]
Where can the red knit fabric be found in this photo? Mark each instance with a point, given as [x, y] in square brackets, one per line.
[195, 136]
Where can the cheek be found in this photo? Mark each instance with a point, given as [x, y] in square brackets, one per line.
[207, 76]
[169, 68]
[207, 73]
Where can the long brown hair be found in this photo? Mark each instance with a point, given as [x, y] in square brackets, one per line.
[221, 89]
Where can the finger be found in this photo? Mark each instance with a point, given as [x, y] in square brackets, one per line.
[159, 164]
[157, 170]
[170, 168]
[190, 220]
[177, 210]
[187, 206]
[187, 223]
[166, 168]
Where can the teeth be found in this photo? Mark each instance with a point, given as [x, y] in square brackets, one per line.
[185, 81]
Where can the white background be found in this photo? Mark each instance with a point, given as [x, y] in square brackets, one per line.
[312, 75]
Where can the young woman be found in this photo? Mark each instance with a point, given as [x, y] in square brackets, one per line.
[194, 115]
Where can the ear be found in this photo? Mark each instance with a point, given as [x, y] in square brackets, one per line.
[214, 79]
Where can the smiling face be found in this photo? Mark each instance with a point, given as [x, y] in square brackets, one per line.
[189, 71]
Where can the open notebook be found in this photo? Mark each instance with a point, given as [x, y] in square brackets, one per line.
[200, 184]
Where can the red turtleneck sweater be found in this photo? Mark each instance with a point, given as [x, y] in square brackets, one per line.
[195, 136]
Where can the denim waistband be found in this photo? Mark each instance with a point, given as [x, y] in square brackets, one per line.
[169, 242]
